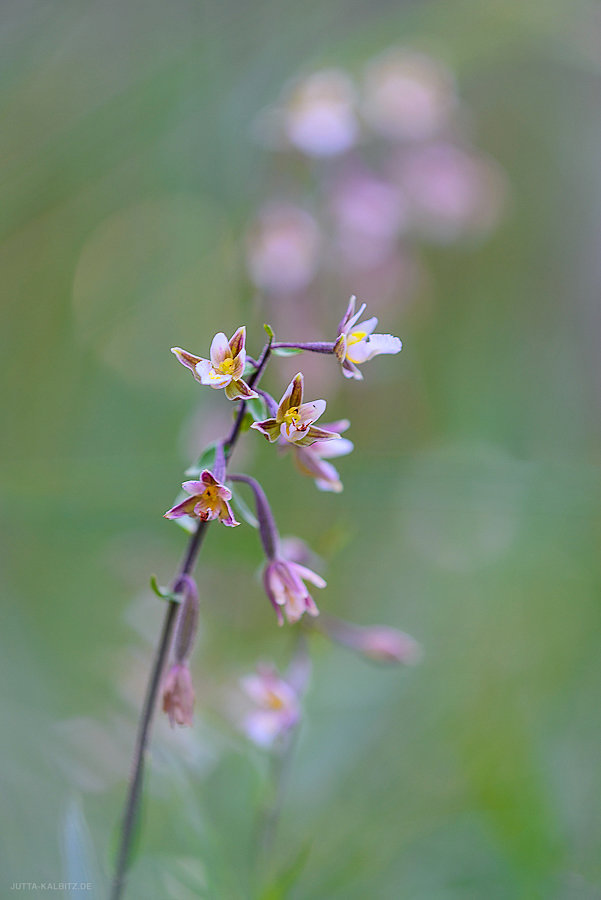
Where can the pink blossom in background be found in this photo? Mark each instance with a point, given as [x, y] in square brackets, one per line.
[282, 249]
[277, 707]
[407, 95]
[451, 192]
[319, 114]
[369, 214]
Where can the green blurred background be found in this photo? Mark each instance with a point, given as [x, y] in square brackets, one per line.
[472, 507]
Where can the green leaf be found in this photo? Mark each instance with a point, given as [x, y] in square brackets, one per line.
[269, 330]
[280, 888]
[257, 409]
[244, 510]
[206, 460]
[286, 351]
[159, 591]
[163, 592]
[246, 422]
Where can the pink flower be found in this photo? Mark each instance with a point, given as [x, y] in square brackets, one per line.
[286, 590]
[277, 706]
[312, 460]
[407, 96]
[178, 695]
[225, 367]
[294, 419]
[378, 642]
[282, 249]
[208, 500]
[452, 192]
[370, 214]
[356, 343]
[319, 117]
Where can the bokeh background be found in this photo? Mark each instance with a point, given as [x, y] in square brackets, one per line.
[131, 170]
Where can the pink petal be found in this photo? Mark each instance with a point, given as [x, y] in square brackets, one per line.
[310, 412]
[269, 427]
[308, 575]
[237, 341]
[368, 326]
[226, 516]
[332, 449]
[355, 318]
[220, 349]
[292, 397]
[185, 508]
[194, 487]
[186, 359]
[239, 389]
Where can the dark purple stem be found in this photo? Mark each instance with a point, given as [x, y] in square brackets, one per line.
[312, 346]
[267, 527]
[271, 404]
[132, 802]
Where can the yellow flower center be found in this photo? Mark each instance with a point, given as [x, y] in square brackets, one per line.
[356, 336]
[292, 416]
[211, 495]
[274, 701]
[227, 366]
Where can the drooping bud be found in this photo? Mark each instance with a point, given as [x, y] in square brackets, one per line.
[178, 695]
[187, 620]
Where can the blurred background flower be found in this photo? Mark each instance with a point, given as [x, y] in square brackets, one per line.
[170, 171]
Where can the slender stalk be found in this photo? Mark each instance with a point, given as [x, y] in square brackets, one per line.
[312, 346]
[132, 802]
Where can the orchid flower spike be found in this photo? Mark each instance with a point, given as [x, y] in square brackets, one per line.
[225, 367]
[284, 585]
[277, 706]
[294, 419]
[209, 500]
[312, 460]
[356, 343]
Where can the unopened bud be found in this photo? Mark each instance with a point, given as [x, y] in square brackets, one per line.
[178, 695]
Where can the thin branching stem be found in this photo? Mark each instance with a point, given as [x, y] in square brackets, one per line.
[132, 803]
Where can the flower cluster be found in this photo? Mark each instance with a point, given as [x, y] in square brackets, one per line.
[370, 165]
[290, 423]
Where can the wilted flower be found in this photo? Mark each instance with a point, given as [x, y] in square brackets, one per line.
[178, 695]
[319, 115]
[286, 590]
[294, 419]
[407, 95]
[277, 702]
[378, 642]
[225, 367]
[311, 460]
[357, 343]
[282, 249]
[208, 500]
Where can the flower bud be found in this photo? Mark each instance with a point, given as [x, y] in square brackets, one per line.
[187, 620]
[178, 695]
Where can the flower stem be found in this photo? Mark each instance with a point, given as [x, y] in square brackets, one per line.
[267, 527]
[132, 803]
[312, 346]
